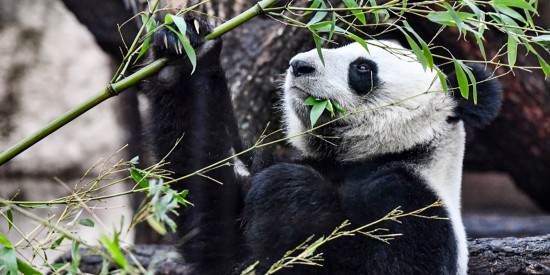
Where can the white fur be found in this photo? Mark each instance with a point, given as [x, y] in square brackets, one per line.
[407, 108]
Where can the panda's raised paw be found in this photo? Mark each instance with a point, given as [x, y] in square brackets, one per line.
[167, 43]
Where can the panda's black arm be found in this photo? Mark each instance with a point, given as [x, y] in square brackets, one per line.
[197, 108]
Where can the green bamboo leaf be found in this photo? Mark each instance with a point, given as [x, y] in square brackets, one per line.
[314, 5]
[446, 18]
[544, 66]
[512, 50]
[316, 112]
[473, 82]
[8, 260]
[330, 108]
[319, 15]
[180, 24]
[443, 81]
[75, 256]
[511, 13]
[57, 242]
[189, 51]
[114, 250]
[543, 40]
[317, 41]
[404, 4]
[4, 241]
[461, 78]
[338, 108]
[425, 49]
[151, 25]
[455, 17]
[479, 41]
[9, 215]
[351, 4]
[168, 19]
[514, 3]
[417, 51]
[87, 222]
[359, 40]
[310, 101]
[332, 26]
[156, 225]
[26, 269]
[139, 177]
[474, 9]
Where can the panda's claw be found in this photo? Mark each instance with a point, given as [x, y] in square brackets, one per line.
[197, 26]
[165, 41]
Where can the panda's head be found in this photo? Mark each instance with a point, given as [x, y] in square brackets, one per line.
[394, 103]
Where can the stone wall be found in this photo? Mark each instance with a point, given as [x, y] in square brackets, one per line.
[48, 64]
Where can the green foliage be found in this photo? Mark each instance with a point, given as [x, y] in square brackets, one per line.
[318, 106]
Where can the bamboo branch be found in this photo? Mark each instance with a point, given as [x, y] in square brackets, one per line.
[114, 89]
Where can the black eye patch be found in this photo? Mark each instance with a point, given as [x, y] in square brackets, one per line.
[362, 76]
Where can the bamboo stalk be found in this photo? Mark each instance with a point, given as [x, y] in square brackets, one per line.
[118, 87]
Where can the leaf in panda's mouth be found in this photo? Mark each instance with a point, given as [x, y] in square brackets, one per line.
[319, 106]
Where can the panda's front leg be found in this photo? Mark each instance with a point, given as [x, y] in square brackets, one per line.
[197, 108]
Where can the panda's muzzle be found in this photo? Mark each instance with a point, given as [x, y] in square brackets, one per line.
[301, 68]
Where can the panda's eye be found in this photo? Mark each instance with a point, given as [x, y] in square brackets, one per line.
[363, 68]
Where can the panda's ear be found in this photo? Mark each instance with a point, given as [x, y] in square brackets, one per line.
[489, 98]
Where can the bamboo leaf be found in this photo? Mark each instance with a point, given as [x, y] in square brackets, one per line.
[319, 15]
[512, 50]
[26, 269]
[443, 81]
[338, 108]
[114, 250]
[314, 5]
[417, 51]
[330, 108]
[425, 49]
[543, 40]
[479, 41]
[514, 3]
[317, 41]
[316, 112]
[57, 242]
[8, 259]
[544, 66]
[87, 222]
[151, 25]
[9, 215]
[156, 225]
[446, 18]
[139, 177]
[511, 13]
[351, 4]
[473, 82]
[75, 256]
[461, 78]
[4, 241]
[189, 51]
[310, 101]
[359, 40]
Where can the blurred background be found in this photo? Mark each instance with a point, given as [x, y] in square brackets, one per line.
[54, 54]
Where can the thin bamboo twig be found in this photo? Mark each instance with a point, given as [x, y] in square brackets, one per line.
[118, 87]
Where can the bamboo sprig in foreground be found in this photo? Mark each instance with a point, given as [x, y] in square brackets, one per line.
[116, 88]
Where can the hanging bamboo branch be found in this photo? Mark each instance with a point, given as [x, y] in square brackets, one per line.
[118, 87]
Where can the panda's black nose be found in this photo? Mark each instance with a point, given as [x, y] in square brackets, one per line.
[299, 68]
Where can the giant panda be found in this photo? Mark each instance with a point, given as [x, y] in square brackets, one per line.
[402, 146]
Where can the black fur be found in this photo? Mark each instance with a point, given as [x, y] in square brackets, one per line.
[362, 76]
[489, 98]
[194, 107]
[282, 205]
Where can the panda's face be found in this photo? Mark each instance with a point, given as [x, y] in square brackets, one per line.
[396, 104]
